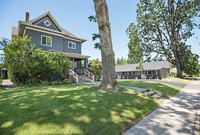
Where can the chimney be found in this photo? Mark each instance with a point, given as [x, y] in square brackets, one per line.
[27, 16]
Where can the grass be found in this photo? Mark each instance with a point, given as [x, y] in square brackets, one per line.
[70, 109]
[157, 87]
[178, 80]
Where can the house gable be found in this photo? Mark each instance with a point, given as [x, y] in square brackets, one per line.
[46, 23]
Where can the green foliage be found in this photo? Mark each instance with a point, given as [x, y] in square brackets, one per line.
[198, 74]
[173, 74]
[121, 61]
[135, 51]
[3, 43]
[188, 60]
[0, 75]
[95, 37]
[164, 25]
[141, 66]
[95, 67]
[92, 18]
[30, 65]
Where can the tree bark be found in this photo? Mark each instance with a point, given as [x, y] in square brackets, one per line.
[107, 54]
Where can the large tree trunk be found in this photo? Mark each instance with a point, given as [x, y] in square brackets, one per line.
[107, 54]
[179, 72]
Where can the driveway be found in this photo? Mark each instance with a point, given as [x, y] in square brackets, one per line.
[179, 115]
[167, 82]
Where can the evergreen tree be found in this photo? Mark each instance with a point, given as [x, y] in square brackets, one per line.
[135, 51]
[121, 61]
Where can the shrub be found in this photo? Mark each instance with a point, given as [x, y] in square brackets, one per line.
[30, 65]
[95, 67]
[173, 74]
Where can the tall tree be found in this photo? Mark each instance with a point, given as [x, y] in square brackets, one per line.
[165, 24]
[121, 61]
[135, 51]
[107, 54]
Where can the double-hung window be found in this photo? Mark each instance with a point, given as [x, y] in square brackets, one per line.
[46, 40]
[71, 45]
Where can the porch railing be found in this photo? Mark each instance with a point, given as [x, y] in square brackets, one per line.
[71, 72]
[89, 75]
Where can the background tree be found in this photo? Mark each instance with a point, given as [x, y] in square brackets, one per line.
[135, 51]
[122, 61]
[96, 68]
[107, 54]
[189, 61]
[164, 25]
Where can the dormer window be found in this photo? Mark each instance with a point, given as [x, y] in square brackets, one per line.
[71, 45]
[47, 23]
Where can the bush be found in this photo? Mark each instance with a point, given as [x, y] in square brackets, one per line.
[95, 67]
[28, 65]
[173, 74]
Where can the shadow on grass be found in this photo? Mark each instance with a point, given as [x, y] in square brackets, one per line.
[70, 110]
[167, 90]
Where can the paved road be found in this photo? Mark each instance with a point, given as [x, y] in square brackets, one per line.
[179, 115]
[167, 82]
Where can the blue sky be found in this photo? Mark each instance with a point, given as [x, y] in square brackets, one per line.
[73, 16]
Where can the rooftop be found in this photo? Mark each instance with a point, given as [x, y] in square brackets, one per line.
[155, 65]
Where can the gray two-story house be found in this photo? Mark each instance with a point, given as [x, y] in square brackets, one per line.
[47, 34]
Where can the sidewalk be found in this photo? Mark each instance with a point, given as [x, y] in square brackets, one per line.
[179, 115]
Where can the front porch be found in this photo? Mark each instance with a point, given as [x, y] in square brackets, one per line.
[78, 72]
[79, 62]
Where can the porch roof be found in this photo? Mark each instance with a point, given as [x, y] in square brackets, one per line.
[71, 55]
[155, 65]
[77, 56]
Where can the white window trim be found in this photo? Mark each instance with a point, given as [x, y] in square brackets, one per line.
[72, 43]
[47, 21]
[46, 18]
[46, 44]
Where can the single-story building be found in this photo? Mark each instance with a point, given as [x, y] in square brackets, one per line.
[151, 70]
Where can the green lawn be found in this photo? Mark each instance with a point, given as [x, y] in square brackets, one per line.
[158, 87]
[70, 109]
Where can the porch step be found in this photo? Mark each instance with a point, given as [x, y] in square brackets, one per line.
[82, 79]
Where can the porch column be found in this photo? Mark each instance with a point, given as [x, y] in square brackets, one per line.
[73, 64]
[157, 74]
[85, 63]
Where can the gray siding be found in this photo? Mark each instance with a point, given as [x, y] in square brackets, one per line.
[67, 49]
[58, 43]
[49, 27]
[40, 22]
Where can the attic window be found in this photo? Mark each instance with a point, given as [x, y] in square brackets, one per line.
[47, 23]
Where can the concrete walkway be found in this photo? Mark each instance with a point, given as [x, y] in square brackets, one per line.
[179, 115]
